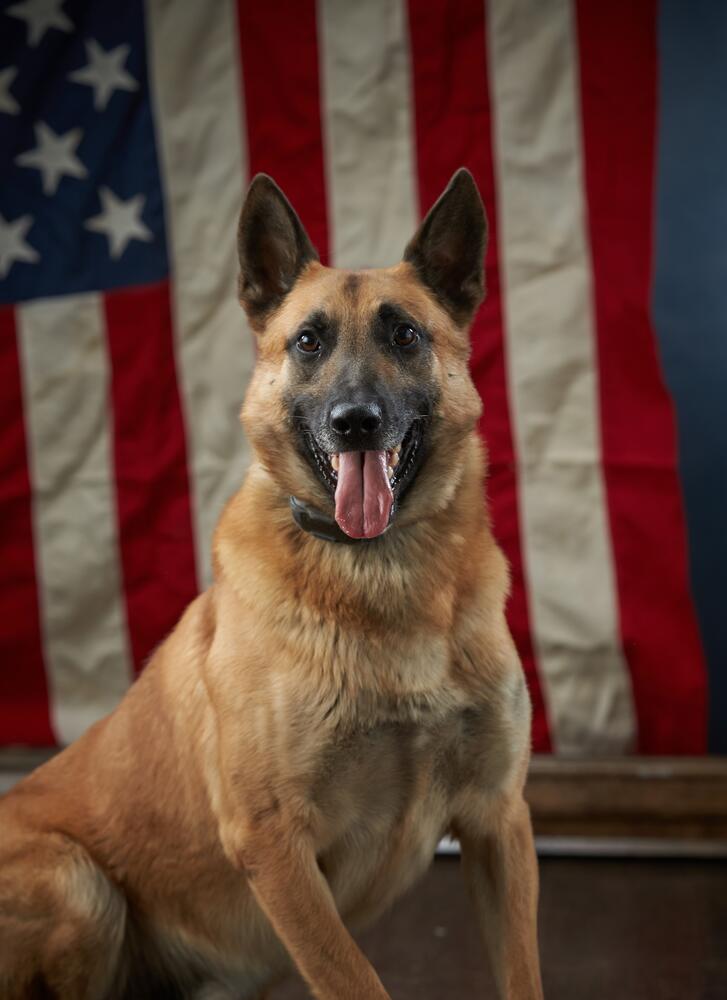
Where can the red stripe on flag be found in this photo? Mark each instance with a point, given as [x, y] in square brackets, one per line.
[24, 708]
[279, 51]
[453, 129]
[152, 486]
[660, 636]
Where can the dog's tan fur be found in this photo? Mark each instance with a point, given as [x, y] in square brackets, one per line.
[319, 718]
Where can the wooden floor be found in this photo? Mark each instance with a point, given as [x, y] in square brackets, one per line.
[610, 930]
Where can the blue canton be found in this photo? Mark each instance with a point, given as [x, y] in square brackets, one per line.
[81, 205]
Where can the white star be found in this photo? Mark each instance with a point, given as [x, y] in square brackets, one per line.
[8, 104]
[40, 15]
[54, 156]
[104, 72]
[13, 245]
[120, 221]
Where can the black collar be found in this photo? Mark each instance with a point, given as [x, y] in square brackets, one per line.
[320, 525]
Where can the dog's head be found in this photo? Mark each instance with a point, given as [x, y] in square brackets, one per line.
[361, 401]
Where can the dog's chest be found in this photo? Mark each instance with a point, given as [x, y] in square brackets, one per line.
[384, 801]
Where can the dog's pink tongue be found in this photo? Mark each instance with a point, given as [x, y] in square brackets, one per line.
[363, 493]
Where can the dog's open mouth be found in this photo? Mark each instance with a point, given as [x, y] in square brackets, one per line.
[366, 484]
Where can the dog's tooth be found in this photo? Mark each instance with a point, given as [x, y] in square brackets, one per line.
[394, 458]
[390, 472]
[334, 462]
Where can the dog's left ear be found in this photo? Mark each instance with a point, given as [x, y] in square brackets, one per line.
[448, 249]
[273, 248]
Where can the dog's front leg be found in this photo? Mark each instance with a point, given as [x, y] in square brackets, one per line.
[284, 876]
[501, 869]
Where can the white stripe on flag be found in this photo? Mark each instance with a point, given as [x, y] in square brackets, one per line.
[553, 378]
[68, 419]
[197, 91]
[367, 116]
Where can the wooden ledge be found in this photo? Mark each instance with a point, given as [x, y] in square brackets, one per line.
[670, 798]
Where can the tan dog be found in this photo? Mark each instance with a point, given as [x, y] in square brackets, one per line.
[331, 706]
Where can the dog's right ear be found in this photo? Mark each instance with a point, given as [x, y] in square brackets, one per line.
[273, 248]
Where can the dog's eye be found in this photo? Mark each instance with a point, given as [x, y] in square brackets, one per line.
[308, 343]
[405, 335]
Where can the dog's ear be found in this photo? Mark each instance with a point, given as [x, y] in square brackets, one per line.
[448, 249]
[273, 248]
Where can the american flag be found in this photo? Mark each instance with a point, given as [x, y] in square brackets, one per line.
[128, 133]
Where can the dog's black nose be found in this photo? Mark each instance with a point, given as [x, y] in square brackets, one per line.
[355, 421]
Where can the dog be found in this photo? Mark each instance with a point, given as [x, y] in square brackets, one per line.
[343, 695]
